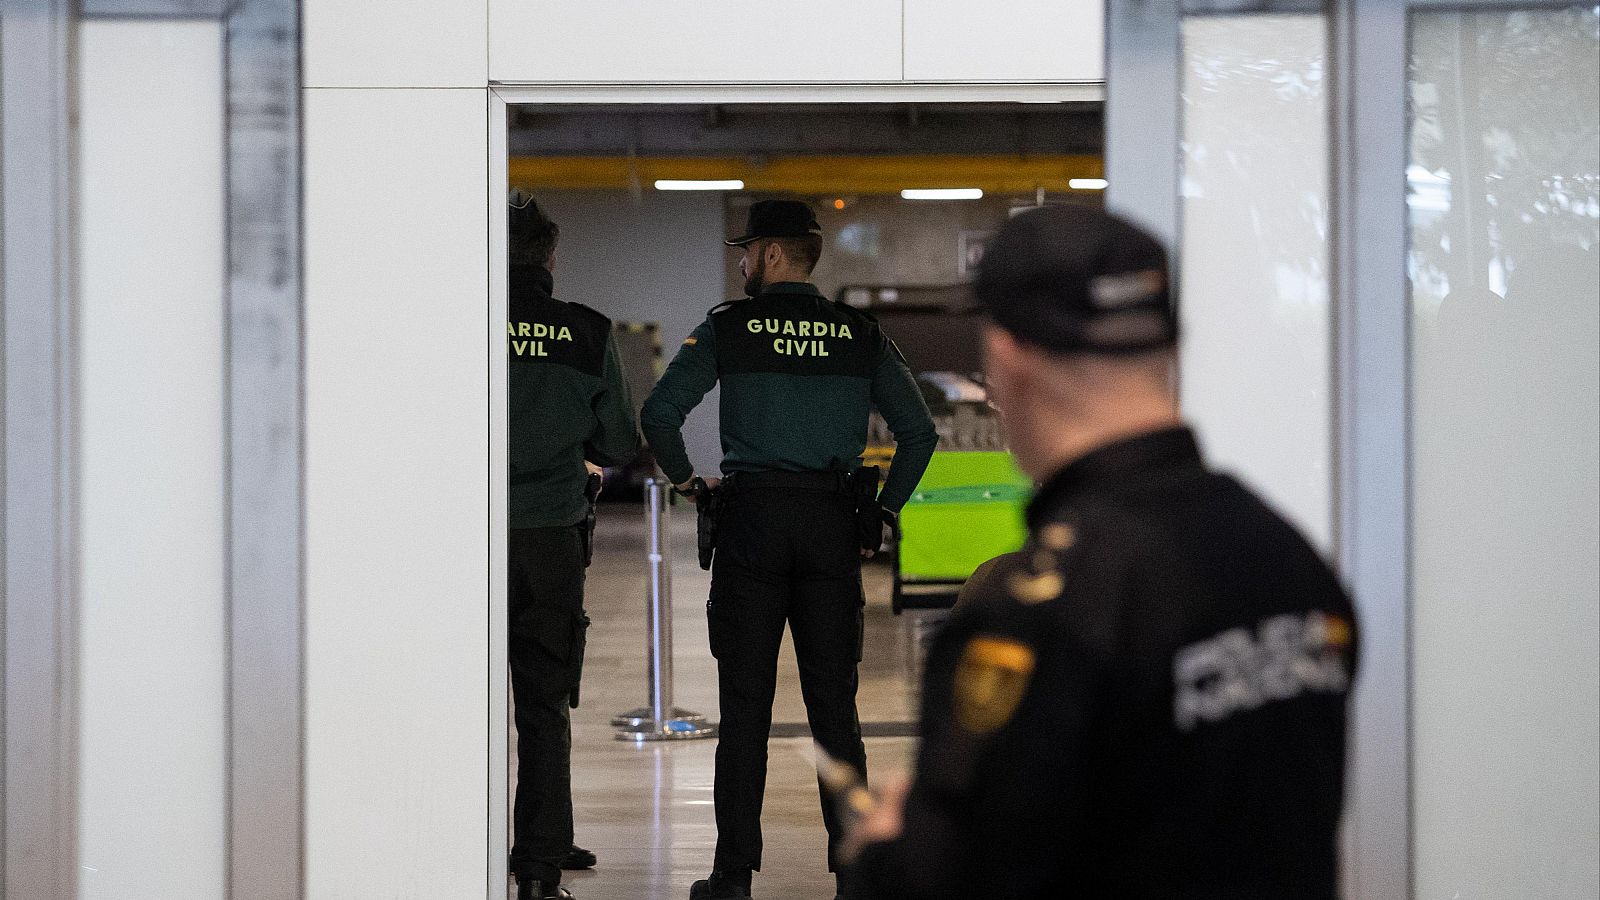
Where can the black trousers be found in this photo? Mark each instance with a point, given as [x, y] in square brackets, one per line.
[784, 555]
[545, 651]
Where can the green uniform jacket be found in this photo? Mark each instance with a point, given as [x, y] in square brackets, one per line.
[800, 375]
[568, 402]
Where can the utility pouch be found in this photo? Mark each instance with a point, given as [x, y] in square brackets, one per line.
[708, 508]
[591, 492]
[869, 513]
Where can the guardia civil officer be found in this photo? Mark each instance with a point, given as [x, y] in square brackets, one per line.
[568, 403]
[800, 375]
[1150, 701]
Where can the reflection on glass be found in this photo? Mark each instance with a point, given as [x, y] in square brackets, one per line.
[1504, 197]
[1255, 283]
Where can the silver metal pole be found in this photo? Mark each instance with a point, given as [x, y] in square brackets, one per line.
[660, 556]
[662, 721]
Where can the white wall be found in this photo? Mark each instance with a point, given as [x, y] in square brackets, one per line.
[151, 788]
[395, 44]
[397, 583]
[658, 260]
[823, 40]
[1254, 296]
[400, 652]
[1018, 40]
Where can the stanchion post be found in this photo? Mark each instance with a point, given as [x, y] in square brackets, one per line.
[658, 544]
[665, 722]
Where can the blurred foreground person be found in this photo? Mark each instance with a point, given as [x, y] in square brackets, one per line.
[567, 404]
[1149, 701]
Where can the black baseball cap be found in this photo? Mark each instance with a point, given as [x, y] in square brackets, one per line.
[777, 219]
[1077, 279]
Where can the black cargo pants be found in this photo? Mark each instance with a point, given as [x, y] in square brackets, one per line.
[787, 552]
[545, 643]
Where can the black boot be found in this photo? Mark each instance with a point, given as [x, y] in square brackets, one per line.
[534, 889]
[578, 858]
[721, 885]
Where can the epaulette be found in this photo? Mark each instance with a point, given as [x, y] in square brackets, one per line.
[1043, 578]
[855, 310]
[725, 305]
[590, 311]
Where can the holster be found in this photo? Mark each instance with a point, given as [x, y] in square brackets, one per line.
[591, 492]
[708, 508]
[869, 512]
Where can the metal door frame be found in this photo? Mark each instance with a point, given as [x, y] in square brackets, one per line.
[264, 451]
[501, 97]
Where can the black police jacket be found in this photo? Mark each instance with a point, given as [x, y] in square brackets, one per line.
[1148, 702]
[567, 401]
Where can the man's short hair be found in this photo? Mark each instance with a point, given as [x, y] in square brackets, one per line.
[803, 251]
[533, 235]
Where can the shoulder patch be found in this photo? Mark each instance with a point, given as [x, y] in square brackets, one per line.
[724, 305]
[690, 341]
[990, 680]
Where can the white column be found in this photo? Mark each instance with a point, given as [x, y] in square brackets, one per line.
[397, 436]
[152, 630]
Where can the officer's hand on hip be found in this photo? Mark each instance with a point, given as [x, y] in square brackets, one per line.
[695, 491]
[888, 535]
[890, 519]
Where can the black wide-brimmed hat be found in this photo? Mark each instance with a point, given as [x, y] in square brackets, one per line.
[777, 219]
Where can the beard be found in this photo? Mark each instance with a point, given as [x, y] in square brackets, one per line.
[753, 283]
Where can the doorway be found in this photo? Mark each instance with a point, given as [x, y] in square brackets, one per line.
[907, 183]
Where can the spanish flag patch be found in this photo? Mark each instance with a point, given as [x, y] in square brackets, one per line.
[690, 341]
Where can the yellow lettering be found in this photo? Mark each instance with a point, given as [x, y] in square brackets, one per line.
[519, 347]
[524, 326]
[844, 331]
[565, 335]
[788, 327]
[538, 349]
[754, 325]
[777, 346]
[511, 329]
[805, 329]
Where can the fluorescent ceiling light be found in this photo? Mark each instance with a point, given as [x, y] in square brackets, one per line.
[1087, 184]
[942, 194]
[668, 184]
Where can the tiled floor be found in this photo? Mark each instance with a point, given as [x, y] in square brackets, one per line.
[646, 810]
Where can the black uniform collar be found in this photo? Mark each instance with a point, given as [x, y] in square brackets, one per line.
[526, 279]
[1167, 448]
[791, 287]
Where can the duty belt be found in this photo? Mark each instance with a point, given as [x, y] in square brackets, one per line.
[827, 482]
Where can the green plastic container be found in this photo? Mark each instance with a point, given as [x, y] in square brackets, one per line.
[967, 510]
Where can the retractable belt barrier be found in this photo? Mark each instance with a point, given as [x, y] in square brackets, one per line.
[660, 721]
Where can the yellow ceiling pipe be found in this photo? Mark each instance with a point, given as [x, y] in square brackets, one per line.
[812, 174]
